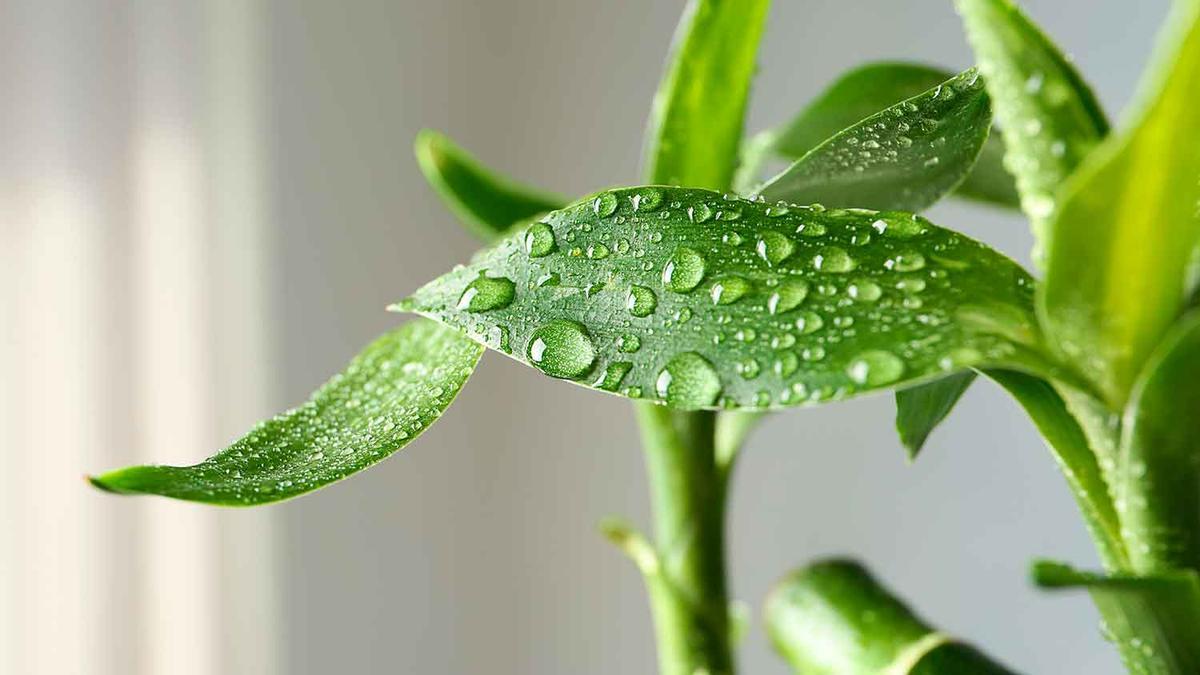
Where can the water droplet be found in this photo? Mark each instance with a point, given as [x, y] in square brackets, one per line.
[911, 285]
[539, 240]
[786, 364]
[864, 291]
[562, 349]
[629, 343]
[731, 238]
[683, 270]
[605, 204]
[875, 368]
[700, 213]
[833, 259]
[748, 369]
[788, 296]
[728, 290]
[646, 199]
[641, 301]
[597, 251]
[901, 227]
[487, 293]
[809, 322]
[815, 353]
[812, 229]
[774, 247]
[688, 381]
[778, 210]
[612, 376]
[906, 261]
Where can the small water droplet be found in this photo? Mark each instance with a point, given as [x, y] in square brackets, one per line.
[597, 251]
[539, 240]
[646, 199]
[809, 322]
[787, 296]
[688, 381]
[684, 270]
[748, 369]
[641, 301]
[864, 291]
[613, 375]
[812, 229]
[875, 368]
[605, 204]
[562, 349]
[629, 343]
[774, 247]
[786, 364]
[728, 290]
[700, 213]
[487, 293]
[906, 261]
[833, 259]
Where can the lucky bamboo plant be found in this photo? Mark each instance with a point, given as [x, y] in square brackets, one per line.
[710, 296]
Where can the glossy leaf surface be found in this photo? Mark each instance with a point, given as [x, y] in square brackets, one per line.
[1154, 620]
[390, 393]
[1049, 117]
[921, 408]
[483, 200]
[1119, 272]
[905, 157]
[706, 301]
[703, 94]
[855, 96]
[834, 618]
[1158, 474]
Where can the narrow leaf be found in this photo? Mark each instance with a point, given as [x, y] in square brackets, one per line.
[696, 120]
[1119, 269]
[921, 408]
[704, 301]
[1158, 474]
[1075, 458]
[1049, 117]
[390, 393]
[834, 618]
[487, 203]
[861, 93]
[1154, 620]
[906, 157]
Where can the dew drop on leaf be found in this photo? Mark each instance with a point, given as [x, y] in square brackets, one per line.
[562, 349]
[833, 259]
[874, 368]
[487, 293]
[605, 204]
[688, 381]
[864, 291]
[774, 247]
[640, 301]
[728, 290]
[684, 270]
[787, 296]
[539, 240]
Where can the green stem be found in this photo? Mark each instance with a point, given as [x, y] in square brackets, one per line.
[688, 592]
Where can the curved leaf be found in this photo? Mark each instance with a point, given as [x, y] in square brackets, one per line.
[696, 120]
[921, 408]
[905, 157]
[855, 96]
[486, 202]
[1049, 117]
[1158, 472]
[390, 393]
[705, 301]
[1154, 620]
[834, 618]
[1119, 271]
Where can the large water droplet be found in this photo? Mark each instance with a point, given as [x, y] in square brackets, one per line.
[688, 381]
[899, 227]
[629, 343]
[683, 270]
[906, 261]
[646, 199]
[875, 368]
[562, 349]
[774, 247]
[605, 204]
[641, 301]
[809, 322]
[864, 291]
[597, 251]
[539, 240]
[788, 296]
[728, 290]
[612, 376]
[487, 293]
[700, 213]
[833, 259]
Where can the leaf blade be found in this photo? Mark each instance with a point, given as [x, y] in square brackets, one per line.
[920, 409]
[905, 157]
[405, 379]
[486, 202]
[628, 265]
[1118, 273]
[703, 94]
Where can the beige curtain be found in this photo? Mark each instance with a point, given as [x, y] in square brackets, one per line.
[134, 327]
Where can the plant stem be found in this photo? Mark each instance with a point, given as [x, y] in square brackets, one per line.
[688, 592]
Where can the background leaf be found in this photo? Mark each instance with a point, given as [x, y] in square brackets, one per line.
[390, 393]
[487, 203]
[855, 96]
[696, 121]
[833, 618]
[1118, 273]
[1049, 117]
[921, 408]
[709, 301]
[1154, 620]
[905, 157]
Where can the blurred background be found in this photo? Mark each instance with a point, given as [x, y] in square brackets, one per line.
[205, 207]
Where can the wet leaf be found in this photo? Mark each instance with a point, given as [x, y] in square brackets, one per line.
[390, 393]
[705, 301]
[906, 157]
[921, 408]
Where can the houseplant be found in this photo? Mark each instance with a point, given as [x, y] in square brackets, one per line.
[711, 296]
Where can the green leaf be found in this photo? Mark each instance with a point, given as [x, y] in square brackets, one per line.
[921, 408]
[905, 157]
[1154, 620]
[487, 203]
[1069, 446]
[861, 93]
[696, 120]
[1158, 473]
[833, 618]
[1119, 269]
[390, 393]
[1049, 117]
[706, 301]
